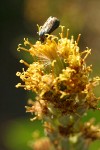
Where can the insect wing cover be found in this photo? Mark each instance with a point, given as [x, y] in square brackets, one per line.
[49, 26]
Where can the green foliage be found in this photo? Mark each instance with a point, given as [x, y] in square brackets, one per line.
[18, 134]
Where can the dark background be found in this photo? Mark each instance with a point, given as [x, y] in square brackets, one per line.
[19, 19]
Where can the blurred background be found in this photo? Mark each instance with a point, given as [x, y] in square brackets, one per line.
[19, 19]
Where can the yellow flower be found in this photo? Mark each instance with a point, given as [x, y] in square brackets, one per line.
[60, 78]
[59, 74]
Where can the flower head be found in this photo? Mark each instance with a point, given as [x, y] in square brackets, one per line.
[59, 72]
[60, 78]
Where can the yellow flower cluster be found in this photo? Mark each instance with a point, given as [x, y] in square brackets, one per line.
[59, 72]
[60, 78]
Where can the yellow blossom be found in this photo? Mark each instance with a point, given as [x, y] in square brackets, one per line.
[60, 68]
[60, 78]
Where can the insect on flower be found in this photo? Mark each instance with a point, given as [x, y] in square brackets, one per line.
[49, 26]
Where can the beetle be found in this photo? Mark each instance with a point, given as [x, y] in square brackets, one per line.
[49, 26]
